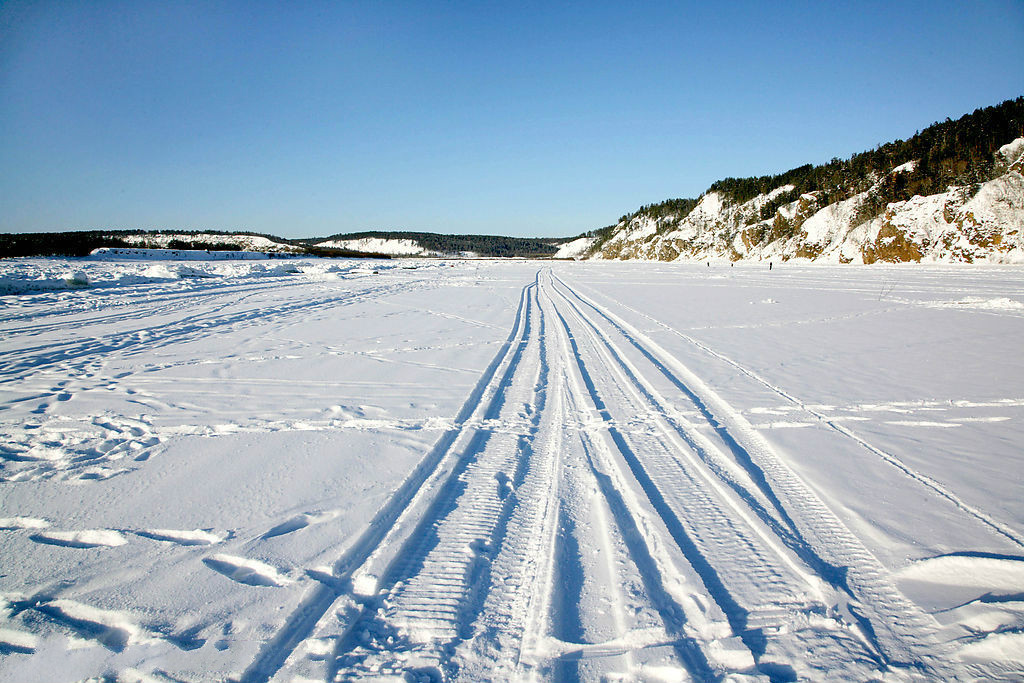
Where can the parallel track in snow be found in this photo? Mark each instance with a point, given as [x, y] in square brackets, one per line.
[997, 525]
[595, 511]
[768, 583]
[224, 308]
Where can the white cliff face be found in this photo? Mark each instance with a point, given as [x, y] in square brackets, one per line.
[575, 249]
[377, 245]
[950, 227]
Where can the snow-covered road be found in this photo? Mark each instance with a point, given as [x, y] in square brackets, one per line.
[473, 470]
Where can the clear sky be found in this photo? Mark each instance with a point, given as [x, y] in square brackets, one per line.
[520, 118]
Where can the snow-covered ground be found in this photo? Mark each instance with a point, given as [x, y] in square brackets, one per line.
[480, 470]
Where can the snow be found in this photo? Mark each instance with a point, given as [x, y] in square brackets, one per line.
[120, 253]
[378, 245]
[998, 576]
[576, 248]
[88, 538]
[960, 225]
[1011, 151]
[244, 242]
[483, 470]
[26, 276]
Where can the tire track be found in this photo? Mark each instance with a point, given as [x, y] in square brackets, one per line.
[985, 518]
[514, 604]
[357, 572]
[901, 631]
[988, 520]
[702, 642]
[759, 590]
[706, 553]
[83, 354]
[435, 587]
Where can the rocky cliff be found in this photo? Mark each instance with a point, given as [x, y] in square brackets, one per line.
[980, 221]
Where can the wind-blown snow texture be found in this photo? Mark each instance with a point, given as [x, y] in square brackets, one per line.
[955, 226]
[476, 470]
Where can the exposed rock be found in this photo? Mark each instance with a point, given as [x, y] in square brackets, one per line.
[963, 224]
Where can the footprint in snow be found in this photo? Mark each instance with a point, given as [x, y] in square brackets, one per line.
[13, 523]
[88, 538]
[17, 642]
[183, 537]
[300, 521]
[247, 571]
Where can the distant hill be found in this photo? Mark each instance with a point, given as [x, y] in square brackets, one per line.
[377, 244]
[82, 243]
[433, 244]
[954, 192]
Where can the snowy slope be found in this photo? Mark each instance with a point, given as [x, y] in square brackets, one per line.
[483, 470]
[951, 227]
[378, 245]
[574, 249]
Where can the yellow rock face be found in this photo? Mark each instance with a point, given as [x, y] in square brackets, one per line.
[892, 246]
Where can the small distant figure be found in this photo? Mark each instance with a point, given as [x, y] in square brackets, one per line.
[709, 264]
[769, 265]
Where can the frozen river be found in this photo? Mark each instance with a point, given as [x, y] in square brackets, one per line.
[478, 470]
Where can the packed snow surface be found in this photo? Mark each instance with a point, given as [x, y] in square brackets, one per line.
[318, 470]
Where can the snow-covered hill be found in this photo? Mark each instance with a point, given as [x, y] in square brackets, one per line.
[165, 240]
[379, 245]
[958, 225]
[576, 248]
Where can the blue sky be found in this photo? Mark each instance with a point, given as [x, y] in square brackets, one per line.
[533, 119]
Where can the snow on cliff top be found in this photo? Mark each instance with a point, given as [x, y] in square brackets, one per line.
[1012, 151]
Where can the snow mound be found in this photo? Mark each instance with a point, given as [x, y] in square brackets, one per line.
[114, 629]
[1012, 151]
[1005, 647]
[996, 304]
[10, 523]
[995, 575]
[149, 267]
